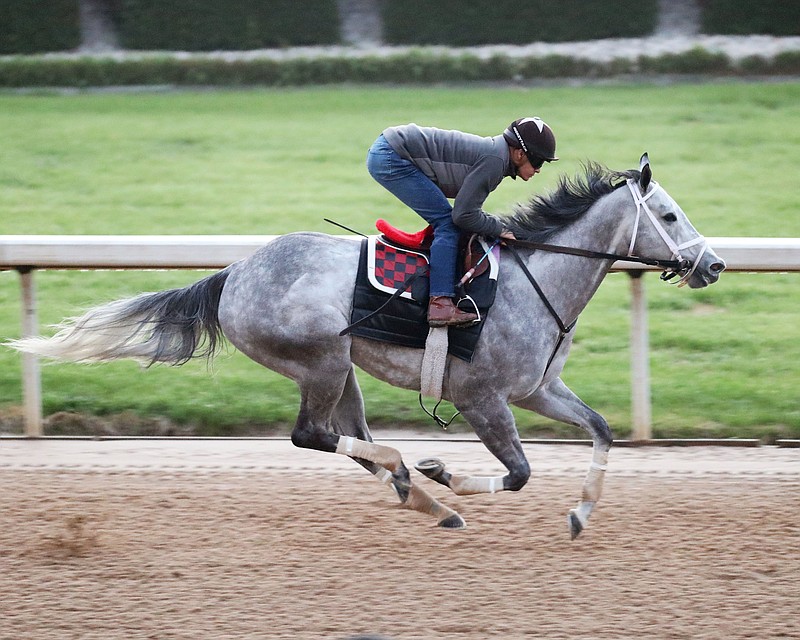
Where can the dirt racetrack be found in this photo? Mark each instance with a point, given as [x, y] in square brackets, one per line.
[253, 539]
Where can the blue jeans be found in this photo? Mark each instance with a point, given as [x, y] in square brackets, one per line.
[413, 188]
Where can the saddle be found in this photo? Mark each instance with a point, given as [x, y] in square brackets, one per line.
[392, 289]
[469, 246]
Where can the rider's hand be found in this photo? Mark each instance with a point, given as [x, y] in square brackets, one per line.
[508, 235]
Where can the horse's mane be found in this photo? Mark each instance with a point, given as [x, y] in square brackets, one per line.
[543, 215]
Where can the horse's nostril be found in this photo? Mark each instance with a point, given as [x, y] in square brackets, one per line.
[717, 267]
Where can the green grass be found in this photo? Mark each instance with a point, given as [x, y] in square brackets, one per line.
[724, 360]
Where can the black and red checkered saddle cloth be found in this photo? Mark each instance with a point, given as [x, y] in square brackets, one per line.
[391, 267]
[385, 268]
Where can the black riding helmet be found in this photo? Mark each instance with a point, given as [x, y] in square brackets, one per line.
[535, 138]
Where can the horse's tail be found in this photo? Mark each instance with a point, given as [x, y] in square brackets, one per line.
[167, 326]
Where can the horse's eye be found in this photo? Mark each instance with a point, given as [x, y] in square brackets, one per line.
[670, 217]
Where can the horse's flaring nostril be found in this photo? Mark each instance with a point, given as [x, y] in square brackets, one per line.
[717, 267]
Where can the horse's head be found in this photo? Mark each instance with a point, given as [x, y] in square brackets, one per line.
[661, 228]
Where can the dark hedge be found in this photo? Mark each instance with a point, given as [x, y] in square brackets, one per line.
[416, 67]
[207, 25]
[740, 17]
[35, 26]
[459, 23]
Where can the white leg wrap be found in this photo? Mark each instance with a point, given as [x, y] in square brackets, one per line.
[583, 511]
[592, 488]
[469, 485]
[384, 476]
[600, 457]
[420, 500]
[377, 453]
[593, 485]
[345, 445]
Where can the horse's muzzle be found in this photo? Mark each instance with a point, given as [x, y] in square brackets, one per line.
[708, 271]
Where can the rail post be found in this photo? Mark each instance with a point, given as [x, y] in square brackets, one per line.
[31, 374]
[641, 410]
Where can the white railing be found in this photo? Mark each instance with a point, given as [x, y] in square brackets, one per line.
[26, 254]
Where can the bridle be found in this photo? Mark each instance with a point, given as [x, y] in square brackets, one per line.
[685, 268]
[677, 266]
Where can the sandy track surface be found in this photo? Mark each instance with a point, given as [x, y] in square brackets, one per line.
[255, 539]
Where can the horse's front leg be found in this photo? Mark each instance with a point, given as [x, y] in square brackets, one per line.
[494, 424]
[555, 400]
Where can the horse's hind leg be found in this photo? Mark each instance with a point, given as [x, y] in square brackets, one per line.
[330, 412]
[349, 419]
[555, 400]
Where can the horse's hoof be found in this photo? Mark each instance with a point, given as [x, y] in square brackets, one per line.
[430, 467]
[453, 522]
[574, 523]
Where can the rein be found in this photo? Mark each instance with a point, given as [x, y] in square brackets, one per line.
[677, 266]
[669, 265]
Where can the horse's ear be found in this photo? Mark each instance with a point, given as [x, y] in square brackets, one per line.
[647, 174]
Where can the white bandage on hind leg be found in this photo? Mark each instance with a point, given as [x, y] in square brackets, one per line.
[470, 485]
[420, 500]
[384, 476]
[377, 453]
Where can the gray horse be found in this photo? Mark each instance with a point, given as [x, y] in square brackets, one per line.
[286, 305]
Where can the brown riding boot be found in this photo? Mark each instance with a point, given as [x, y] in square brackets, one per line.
[442, 312]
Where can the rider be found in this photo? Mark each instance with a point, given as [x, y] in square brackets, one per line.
[424, 166]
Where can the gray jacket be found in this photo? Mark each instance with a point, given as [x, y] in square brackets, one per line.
[464, 166]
